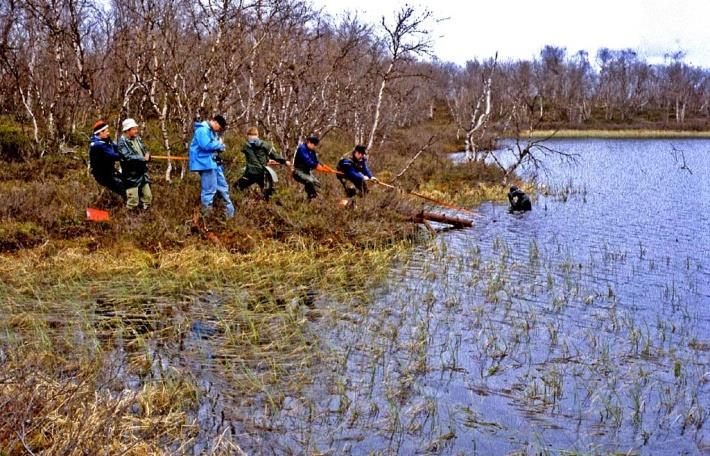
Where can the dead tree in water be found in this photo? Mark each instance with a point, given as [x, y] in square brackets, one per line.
[526, 151]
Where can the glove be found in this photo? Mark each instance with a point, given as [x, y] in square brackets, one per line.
[365, 178]
[218, 159]
[374, 179]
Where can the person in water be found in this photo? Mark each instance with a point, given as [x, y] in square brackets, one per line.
[519, 201]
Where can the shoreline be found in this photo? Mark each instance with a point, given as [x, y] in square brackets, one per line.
[619, 134]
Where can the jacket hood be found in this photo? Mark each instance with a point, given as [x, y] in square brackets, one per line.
[202, 124]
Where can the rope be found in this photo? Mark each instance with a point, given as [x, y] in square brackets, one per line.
[329, 170]
[431, 200]
[171, 157]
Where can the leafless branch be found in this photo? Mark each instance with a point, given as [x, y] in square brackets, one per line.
[432, 140]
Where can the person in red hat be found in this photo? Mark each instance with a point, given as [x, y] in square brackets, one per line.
[103, 155]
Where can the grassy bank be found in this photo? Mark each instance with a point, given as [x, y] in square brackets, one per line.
[620, 134]
[107, 330]
[110, 337]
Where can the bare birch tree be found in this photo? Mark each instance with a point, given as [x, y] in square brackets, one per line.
[405, 38]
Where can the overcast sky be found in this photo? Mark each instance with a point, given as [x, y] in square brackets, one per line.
[520, 28]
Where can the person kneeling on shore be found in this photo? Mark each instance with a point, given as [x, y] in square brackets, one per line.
[519, 201]
[305, 161]
[354, 172]
[257, 154]
[205, 159]
[134, 158]
[103, 155]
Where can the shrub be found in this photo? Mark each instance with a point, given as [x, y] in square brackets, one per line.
[15, 145]
[17, 235]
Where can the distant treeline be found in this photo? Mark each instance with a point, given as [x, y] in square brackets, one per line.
[615, 87]
[291, 70]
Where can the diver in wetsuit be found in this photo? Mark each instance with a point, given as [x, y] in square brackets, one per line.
[519, 201]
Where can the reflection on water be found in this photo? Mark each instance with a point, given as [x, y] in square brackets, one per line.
[581, 326]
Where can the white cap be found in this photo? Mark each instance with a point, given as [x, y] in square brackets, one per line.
[128, 124]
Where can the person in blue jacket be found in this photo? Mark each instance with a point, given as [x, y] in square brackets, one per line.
[354, 170]
[103, 155]
[304, 162]
[205, 159]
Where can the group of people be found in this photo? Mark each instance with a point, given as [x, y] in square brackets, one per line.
[133, 183]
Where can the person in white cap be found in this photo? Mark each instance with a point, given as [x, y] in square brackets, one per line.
[134, 157]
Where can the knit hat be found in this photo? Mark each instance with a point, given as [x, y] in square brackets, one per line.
[219, 118]
[361, 149]
[252, 131]
[313, 139]
[100, 126]
[128, 124]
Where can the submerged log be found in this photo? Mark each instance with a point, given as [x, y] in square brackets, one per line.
[456, 222]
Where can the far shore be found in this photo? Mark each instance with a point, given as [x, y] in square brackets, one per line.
[626, 133]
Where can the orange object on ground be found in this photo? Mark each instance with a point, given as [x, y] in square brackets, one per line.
[96, 215]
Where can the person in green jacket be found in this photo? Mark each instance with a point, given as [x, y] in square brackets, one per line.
[258, 154]
[134, 158]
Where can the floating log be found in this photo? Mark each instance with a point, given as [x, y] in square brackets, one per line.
[456, 222]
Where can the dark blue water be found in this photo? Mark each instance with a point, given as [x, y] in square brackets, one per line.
[582, 326]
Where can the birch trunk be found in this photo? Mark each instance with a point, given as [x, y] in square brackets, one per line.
[378, 105]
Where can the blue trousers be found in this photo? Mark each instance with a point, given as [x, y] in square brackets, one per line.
[212, 182]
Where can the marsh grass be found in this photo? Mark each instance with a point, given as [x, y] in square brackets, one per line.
[537, 335]
[112, 328]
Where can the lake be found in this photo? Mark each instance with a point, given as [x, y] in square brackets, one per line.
[582, 326]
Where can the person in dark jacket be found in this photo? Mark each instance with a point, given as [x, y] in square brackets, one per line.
[134, 159]
[103, 155]
[257, 154]
[355, 172]
[304, 162]
[519, 201]
[205, 150]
